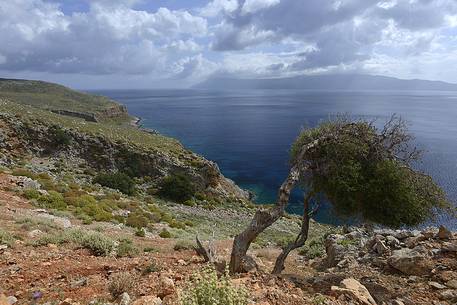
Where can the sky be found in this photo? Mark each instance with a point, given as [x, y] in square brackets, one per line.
[106, 44]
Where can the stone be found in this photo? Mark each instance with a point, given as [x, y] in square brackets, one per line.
[79, 283]
[354, 289]
[12, 300]
[413, 241]
[3, 247]
[436, 285]
[182, 262]
[410, 261]
[392, 241]
[448, 295]
[335, 252]
[167, 286]
[444, 233]
[124, 299]
[452, 284]
[449, 247]
[401, 234]
[148, 300]
[381, 247]
[35, 233]
[248, 264]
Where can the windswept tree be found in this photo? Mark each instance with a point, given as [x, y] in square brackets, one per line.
[365, 173]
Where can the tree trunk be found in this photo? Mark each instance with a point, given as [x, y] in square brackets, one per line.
[262, 220]
[299, 241]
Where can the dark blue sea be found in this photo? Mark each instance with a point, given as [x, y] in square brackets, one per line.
[248, 133]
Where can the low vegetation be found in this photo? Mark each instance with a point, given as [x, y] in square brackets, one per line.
[178, 188]
[118, 181]
[207, 288]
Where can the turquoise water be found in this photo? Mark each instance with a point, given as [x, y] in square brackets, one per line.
[248, 133]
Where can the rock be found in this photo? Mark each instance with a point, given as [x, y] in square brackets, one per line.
[335, 252]
[436, 285]
[413, 241]
[12, 300]
[452, 284]
[402, 234]
[392, 242]
[124, 299]
[354, 289]
[410, 261]
[248, 264]
[381, 247]
[148, 300]
[182, 262]
[79, 283]
[444, 233]
[448, 295]
[430, 233]
[449, 247]
[3, 247]
[35, 233]
[167, 286]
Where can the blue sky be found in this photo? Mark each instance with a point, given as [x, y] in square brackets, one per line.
[177, 43]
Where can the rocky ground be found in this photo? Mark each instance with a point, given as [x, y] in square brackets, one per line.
[360, 266]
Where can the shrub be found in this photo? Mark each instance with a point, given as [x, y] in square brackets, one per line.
[150, 249]
[6, 238]
[181, 245]
[137, 220]
[151, 268]
[120, 283]
[126, 248]
[53, 200]
[314, 248]
[140, 232]
[177, 224]
[60, 136]
[98, 243]
[118, 181]
[165, 234]
[207, 289]
[45, 225]
[31, 194]
[177, 188]
[23, 172]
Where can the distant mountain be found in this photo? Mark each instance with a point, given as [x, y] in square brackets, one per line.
[327, 82]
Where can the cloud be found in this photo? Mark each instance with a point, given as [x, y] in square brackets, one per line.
[109, 38]
[252, 6]
[216, 7]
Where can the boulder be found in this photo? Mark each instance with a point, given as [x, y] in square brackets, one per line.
[448, 295]
[444, 233]
[436, 285]
[335, 252]
[411, 261]
[452, 284]
[352, 288]
[167, 286]
[124, 299]
[248, 264]
[381, 247]
[148, 300]
[392, 242]
[449, 246]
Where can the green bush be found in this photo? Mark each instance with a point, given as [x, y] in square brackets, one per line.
[165, 234]
[118, 181]
[140, 232]
[60, 136]
[178, 188]
[53, 200]
[151, 268]
[31, 194]
[207, 289]
[6, 238]
[126, 248]
[182, 245]
[137, 220]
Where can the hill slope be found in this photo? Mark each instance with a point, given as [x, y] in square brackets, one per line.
[61, 99]
[327, 82]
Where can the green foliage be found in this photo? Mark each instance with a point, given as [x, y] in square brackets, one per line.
[178, 188]
[118, 181]
[31, 194]
[23, 172]
[137, 220]
[6, 238]
[208, 289]
[367, 173]
[150, 249]
[140, 232]
[165, 234]
[182, 245]
[53, 200]
[96, 242]
[45, 225]
[126, 248]
[151, 268]
[60, 136]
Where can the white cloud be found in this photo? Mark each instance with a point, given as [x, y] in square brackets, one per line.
[216, 7]
[252, 6]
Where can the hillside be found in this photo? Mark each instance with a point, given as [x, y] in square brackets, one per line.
[63, 100]
[351, 82]
[103, 213]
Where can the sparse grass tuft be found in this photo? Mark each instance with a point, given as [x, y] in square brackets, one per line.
[181, 245]
[120, 283]
[6, 238]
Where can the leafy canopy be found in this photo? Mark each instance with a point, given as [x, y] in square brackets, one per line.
[367, 173]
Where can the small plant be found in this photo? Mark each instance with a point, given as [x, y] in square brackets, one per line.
[207, 289]
[53, 200]
[314, 248]
[151, 268]
[118, 181]
[6, 238]
[120, 283]
[60, 136]
[137, 220]
[140, 232]
[178, 188]
[31, 194]
[23, 172]
[165, 234]
[182, 245]
[126, 248]
[150, 249]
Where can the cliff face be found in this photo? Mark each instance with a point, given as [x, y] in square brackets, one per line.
[19, 138]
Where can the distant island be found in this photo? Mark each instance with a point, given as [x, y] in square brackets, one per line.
[351, 82]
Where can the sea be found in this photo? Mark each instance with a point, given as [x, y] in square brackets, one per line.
[249, 133]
